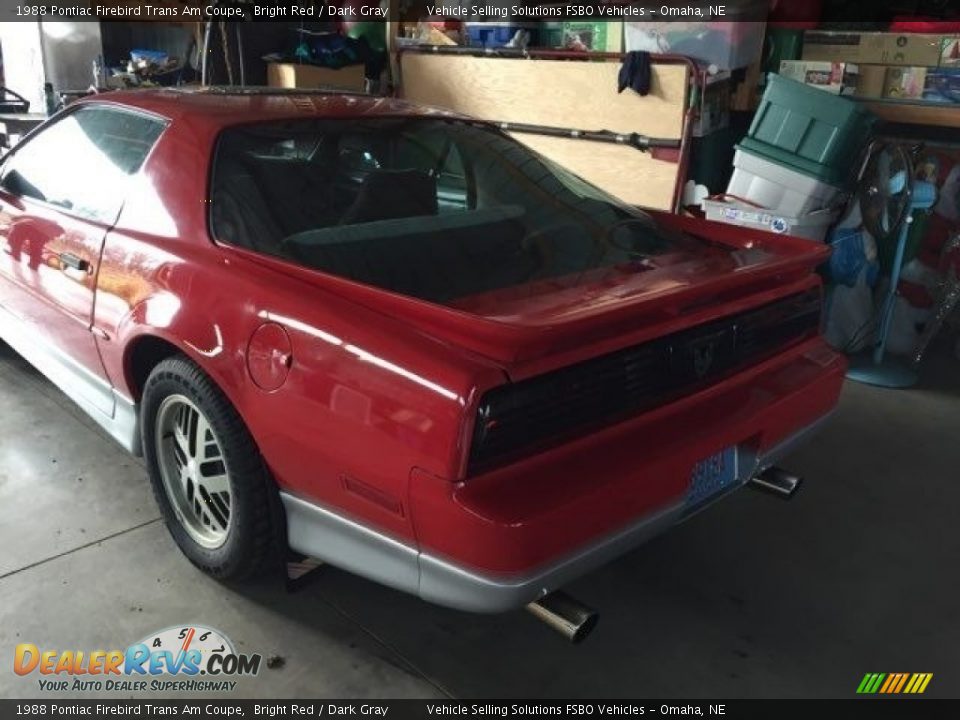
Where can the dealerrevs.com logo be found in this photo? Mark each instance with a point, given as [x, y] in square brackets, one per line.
[181, 658]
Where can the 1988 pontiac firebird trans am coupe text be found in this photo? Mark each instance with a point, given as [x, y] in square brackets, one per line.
[396, 339]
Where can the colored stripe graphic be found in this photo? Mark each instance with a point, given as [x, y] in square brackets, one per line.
[894, 683]
[870, 683]
[891, 680]
[920, 685]
[903, 680]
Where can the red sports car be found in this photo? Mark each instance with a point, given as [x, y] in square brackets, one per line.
[396, 339]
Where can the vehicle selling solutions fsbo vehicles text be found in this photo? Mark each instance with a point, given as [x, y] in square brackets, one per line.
[577, 10]
[560, 709]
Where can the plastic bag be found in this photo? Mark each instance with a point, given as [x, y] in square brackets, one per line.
[850, 314]
[848, 257]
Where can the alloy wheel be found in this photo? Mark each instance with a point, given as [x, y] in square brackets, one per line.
[194, 471]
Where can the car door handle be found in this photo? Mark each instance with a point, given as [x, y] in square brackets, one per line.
[72, 261]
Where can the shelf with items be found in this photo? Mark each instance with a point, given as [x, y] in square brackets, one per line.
[914, 113]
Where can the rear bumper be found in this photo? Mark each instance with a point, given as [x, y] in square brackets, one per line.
[320, 533]
[540, 539]
[447, 584]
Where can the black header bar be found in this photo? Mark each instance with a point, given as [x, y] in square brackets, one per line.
[405, 10]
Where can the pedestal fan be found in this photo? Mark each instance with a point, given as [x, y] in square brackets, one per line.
[888, 195]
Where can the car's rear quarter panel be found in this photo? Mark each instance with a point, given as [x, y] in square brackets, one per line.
[348, 416]
[363, 402]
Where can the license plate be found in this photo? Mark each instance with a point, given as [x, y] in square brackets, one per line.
[712, 476]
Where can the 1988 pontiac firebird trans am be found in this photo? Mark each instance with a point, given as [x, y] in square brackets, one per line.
[396, 339]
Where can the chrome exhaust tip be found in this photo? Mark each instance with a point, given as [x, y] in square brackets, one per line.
[778, 481]
[567, 616]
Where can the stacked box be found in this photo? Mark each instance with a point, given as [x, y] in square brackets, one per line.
[778, 188]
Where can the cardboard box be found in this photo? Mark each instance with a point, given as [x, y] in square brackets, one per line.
[904, 83]
[292, 75]
[892, 81]
[943, 86]
[950, 52]
[875, 48]
[837, 78]
[870, 80]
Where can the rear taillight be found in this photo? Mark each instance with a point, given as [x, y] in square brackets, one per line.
[521, 418]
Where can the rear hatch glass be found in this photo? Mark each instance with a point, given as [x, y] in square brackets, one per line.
[435, 209]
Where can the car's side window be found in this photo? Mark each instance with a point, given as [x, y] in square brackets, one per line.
[82, 162]
[428, 154]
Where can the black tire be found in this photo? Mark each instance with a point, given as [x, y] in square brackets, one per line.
[253, 544]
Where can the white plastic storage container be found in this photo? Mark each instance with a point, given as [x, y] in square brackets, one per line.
[728, 41]
[812, 226]
[777, 188]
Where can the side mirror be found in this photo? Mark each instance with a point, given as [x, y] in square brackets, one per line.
[15, 184]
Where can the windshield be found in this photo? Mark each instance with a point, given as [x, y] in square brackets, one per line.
[436, 209]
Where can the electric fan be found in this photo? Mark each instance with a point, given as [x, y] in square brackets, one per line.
[889, 194]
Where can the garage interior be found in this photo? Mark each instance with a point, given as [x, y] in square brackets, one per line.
[755, 597]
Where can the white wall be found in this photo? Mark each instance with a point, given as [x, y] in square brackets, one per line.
[69, 49]
[23, 61]
[61, 53]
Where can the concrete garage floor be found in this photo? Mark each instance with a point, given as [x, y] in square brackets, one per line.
[753, 598]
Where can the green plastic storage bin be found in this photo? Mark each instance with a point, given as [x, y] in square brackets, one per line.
[809, 130]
